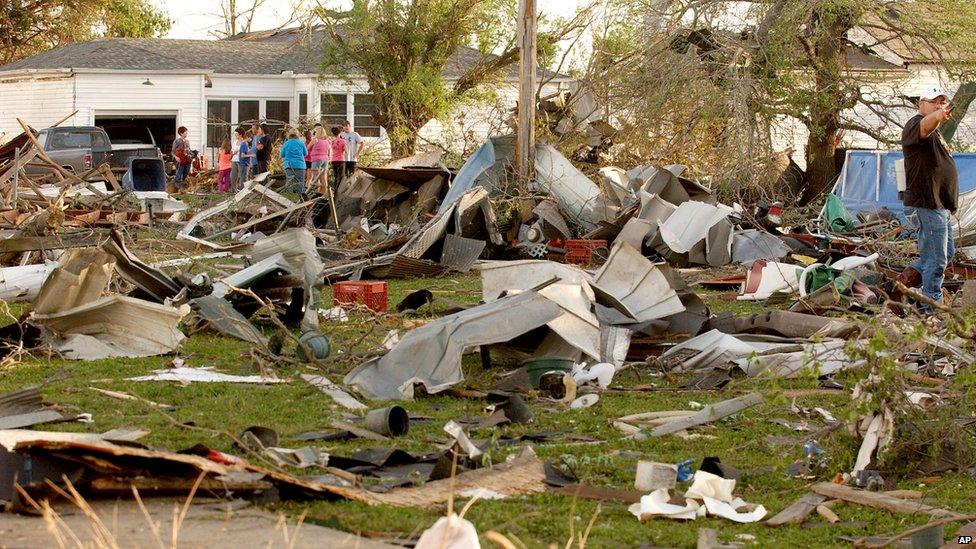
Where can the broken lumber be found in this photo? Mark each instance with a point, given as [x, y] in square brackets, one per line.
[19, 244]
[878, 500]
[262, 219]
[599, 493]
[709, 413]
[827, 514]
[797, 511]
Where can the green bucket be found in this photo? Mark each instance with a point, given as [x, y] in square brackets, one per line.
[535, 367]
[316, 342]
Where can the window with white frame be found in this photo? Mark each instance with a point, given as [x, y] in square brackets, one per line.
[364, 120]
[218, 122]
[278, 114]
[333, 109]
[248, 111]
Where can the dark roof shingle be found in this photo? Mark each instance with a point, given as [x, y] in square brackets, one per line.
[263, 52]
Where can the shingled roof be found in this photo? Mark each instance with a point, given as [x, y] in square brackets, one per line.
[264, 52]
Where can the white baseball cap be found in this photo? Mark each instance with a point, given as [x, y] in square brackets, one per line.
[931, 93]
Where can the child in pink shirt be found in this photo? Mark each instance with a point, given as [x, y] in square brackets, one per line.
[338, 148]
[223, 166]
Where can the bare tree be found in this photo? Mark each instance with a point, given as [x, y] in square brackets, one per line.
[240, 16]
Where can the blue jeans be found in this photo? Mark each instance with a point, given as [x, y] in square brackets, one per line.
[295, 180]
[935, 248]
[182, 172]
[243, 176]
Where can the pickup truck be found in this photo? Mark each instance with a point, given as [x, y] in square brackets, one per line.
[80, 148]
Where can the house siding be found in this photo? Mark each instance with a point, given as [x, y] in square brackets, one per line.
[789, 133]
[39, 100]
[99, 93]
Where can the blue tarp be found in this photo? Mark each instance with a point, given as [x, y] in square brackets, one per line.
[863, 187]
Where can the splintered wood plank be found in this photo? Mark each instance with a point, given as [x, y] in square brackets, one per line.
[797, 511]
[879, 500]
[709, 413]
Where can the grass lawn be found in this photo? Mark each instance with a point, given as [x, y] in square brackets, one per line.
[741, 441]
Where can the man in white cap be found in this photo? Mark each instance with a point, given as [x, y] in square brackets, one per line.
[931, 188]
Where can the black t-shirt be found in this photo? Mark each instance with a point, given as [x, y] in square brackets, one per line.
[931, 180]
[262, 154]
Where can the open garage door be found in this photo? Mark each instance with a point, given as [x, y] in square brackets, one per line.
[137, 127]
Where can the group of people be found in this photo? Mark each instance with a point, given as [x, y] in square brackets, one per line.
[308, 159]
[237, 161]
[306, 162]
[243, 158]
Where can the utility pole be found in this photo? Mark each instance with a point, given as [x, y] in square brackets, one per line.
[528, 20]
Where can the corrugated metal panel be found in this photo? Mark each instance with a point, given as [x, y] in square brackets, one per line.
[406, 267]
[460, 253]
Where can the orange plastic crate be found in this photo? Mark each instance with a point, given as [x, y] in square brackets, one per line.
[371, 293]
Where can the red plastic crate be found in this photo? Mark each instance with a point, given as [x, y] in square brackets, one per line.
[580, 245]
[580, 252]
[579, 257]
[371, 293]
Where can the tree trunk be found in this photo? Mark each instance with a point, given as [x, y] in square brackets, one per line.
[403, 142]
[821, 167]
[828, 61]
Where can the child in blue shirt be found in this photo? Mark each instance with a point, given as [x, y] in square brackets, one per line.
[246, 156]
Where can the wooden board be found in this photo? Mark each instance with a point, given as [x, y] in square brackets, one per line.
[33, 243]
[797, 511]
[879, 500]
[709, 413]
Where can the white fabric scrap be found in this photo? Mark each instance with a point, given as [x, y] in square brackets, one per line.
[656, 504]
[187, 375]
[708, 485]
[451, 532]
[729, 510]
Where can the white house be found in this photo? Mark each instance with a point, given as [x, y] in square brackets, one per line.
[210, 86]
[889, 70]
